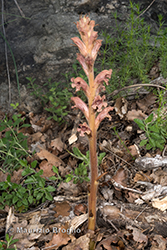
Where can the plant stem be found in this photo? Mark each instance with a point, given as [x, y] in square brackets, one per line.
[93, 156]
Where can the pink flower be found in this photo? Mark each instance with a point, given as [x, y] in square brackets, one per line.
[102, 116]
[80, 105]
[102, 77]
[98, 103]
[96, 48]
[85, 27]
[81, 46]
[84, 129]
[89, 46]
[79, 83]
[82, 61]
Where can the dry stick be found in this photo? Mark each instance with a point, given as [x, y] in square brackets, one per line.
[21, 12]
[115, 92]
[6, 55]
[146, 9]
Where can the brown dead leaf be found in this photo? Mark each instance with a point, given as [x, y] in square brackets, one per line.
[48, 124]
[138, 236]
[36, 128]
[62, 208]
[35, 137]
[111, 243]
[59, 239]
[17, 175]
[160, 204]
[158, 243]
[51, 158]
[18, 231]
[112, 212]
[142, 177]
[78, 244]
[47, 169]
[80, 209]
[135, 114]
[35, 227]
[121, 177]
[120, 106]
[131, 197]
[147, 101]
[134, 150]
[160, 177]
[57, 144]
[3, 176]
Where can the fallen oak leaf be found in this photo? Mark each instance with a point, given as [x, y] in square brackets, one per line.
[59, 239]
[51, 158]
[62, 208]
[121, 177]
[57, 144]
[138, 236]
[78, 244]
[135, 114]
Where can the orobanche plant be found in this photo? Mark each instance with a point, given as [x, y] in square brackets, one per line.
[97, 108]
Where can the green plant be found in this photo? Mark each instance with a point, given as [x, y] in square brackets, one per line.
[5, 245]
[36, 90]
[57, 178]
[132, 50]
[155, 132]
[31, 192]
[57, 97]
[97, 108]
[13, 144]
[161, 43]
[80, 173]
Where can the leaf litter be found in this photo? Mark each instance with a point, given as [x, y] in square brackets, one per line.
[132, 203]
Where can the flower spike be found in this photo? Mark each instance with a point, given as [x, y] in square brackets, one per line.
[89, 46]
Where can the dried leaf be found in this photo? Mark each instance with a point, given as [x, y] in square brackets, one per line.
[160, 204]
[57, 144]
[17, 175]
[73, 138]
[121, 177]
[158, 243]
[62, 208]
[138, 236]
[107, 243]
[121, 105]
[47, 169]
[135, 114]
[112, 212]
[80, 209]
[51, 158]
[59, 239]
[134, 150]
[147, 101]
[78, 244]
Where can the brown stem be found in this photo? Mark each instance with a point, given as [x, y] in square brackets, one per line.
[93, 157]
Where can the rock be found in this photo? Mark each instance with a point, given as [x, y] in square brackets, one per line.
[41, 42]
